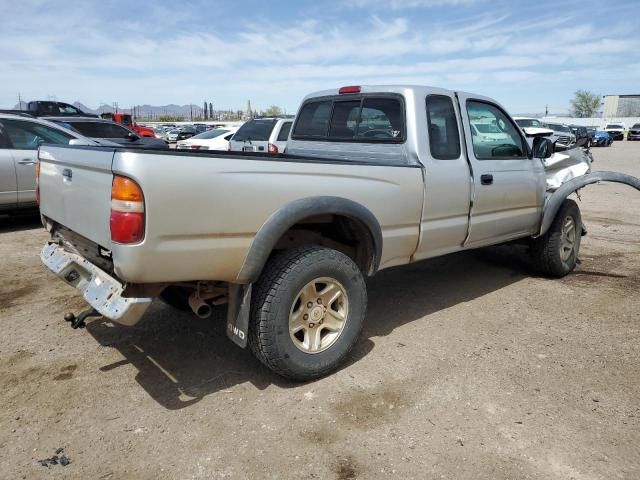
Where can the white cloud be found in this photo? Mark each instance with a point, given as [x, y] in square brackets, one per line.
[166, 58]
[401, 4]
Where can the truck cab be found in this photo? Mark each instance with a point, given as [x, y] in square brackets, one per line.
[437, 130]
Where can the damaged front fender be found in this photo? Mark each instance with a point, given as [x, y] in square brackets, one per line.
[555, 200]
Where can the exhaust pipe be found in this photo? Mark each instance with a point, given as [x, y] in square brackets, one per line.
[201, 308]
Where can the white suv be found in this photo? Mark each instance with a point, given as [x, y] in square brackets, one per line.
[266, 135]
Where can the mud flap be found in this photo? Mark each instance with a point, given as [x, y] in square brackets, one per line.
[238, 313]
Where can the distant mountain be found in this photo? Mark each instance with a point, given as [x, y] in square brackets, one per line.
[141, 110]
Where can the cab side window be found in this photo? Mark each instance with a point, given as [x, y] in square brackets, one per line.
[444, 138]
[493, 135]
[29, 135]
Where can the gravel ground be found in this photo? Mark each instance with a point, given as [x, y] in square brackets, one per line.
[470, 367]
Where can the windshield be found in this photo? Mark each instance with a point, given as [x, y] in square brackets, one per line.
[614, 125]
[636, 125]
[556, 127]
[529, 122]
[255, 130]
[211, 134]
[98, 129]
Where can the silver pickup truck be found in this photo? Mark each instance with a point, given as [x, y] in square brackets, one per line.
[373, 177]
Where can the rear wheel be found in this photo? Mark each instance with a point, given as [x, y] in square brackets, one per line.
[556, 252]
[307, 312]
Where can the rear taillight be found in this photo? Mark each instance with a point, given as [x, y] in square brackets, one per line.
[271, 148]
[38, 182]
[127, 211]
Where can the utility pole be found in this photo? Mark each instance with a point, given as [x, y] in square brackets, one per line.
[546, 110]
[191, 108]
[19, 101]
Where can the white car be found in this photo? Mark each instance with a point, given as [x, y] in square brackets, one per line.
[488, 131]
[20, 137]
[615, 130]
[215, 139]
[267, 135]
[533, 126]
[172, 135]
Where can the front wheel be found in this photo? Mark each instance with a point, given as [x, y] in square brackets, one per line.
[556, 252]
[307, 312]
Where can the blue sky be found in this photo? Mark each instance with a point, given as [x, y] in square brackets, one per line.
[526, 54]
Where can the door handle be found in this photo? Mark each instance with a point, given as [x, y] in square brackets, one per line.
[486, 179]
[27, 161]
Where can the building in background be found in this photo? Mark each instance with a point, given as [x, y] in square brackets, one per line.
[621, 106]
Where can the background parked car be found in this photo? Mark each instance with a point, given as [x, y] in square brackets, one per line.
[41, 108]
[20, 137]
[526, 122]
[216, 139]
[601, 139]
[105, 129]
[185, 132]
[616, 130]
[634, 132]
[262, 135]
[172, 135]
[566, 138]
[582, 135]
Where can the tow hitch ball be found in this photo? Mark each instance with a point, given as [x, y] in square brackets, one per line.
[79, 321]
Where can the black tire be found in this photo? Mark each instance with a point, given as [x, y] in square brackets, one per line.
[275, 295]
[547, 251]
[177, 297]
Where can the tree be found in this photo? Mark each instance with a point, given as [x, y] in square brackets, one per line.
[273, 111]
[585, 104]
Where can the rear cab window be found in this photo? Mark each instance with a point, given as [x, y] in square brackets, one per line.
[356, 118]
[255, 130]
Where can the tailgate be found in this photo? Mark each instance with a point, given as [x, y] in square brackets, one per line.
[75, 189]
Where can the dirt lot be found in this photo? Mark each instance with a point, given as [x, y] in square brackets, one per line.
[469, 367]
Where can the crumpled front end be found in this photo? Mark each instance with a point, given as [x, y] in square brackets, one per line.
[566, 165]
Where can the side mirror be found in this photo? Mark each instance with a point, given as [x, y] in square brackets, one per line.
[542, 147]
[132, 136]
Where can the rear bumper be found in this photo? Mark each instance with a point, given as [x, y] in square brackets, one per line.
[100, 290]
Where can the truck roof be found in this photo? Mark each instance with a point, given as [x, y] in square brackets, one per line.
[404, 90]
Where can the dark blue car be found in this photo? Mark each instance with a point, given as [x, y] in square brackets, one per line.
[601, 139]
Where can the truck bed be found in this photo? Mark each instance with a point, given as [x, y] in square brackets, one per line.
[203, 209]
